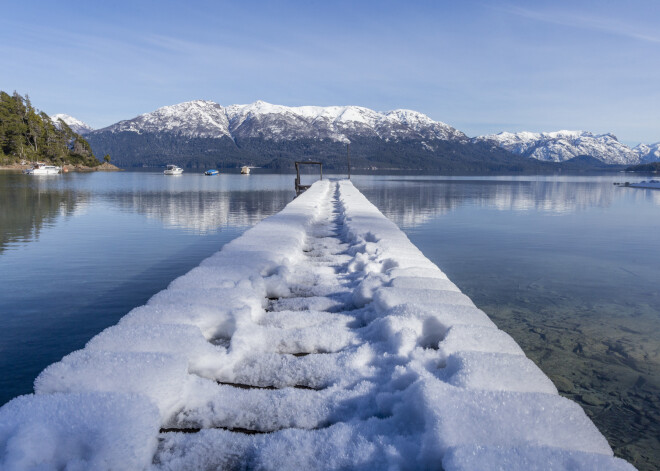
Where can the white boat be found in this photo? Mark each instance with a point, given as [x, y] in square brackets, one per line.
[42, 169]
[245, 170]
[173, 170]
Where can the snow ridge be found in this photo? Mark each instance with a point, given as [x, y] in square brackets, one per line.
[276, 122]
[76, 125]
[320, 339]
[564, 145]
[648, 152]
[261, 120]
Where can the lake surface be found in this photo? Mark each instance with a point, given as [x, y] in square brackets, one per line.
[569, 266]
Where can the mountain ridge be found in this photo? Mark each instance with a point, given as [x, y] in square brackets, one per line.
[235, 132]
[331, 122]
[560, 146]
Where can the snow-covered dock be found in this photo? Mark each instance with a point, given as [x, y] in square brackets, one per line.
[320, 339]
[651, 184]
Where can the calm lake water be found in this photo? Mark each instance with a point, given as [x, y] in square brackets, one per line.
[569, 266]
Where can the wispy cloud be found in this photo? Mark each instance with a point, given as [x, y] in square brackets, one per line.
[592, 23]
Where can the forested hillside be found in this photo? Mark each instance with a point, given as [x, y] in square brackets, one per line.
[27, 134]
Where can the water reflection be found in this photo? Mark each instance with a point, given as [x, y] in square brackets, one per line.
[199, 206]
[28, 209]
[203, 212]
[413, 202]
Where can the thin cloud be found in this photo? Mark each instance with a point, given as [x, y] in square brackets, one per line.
[583, 22]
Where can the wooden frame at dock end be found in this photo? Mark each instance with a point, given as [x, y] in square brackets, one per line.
[300, 188]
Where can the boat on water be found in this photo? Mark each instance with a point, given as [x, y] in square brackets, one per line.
[211, 171]
[42, 169]
[245, 170]
[173, 170]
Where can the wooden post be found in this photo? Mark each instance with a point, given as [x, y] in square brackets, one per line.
[299, 187]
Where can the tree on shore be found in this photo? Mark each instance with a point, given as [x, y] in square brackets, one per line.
[106, 158]
[28, 134]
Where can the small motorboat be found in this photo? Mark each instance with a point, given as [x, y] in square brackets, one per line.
[245, 170]
[173, 170]
[211, 172]
[42, 169]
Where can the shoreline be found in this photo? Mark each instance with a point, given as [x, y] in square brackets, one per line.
[104, 167]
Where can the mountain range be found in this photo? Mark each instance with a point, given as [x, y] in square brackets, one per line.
[202, 134]
[564, 145]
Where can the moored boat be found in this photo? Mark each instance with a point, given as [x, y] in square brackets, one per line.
[42, 169]
[173, 170]
[245, 170]
[211, 171]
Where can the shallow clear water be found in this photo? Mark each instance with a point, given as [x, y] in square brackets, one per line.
[569, 266]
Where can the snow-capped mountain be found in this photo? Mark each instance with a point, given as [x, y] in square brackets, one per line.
[564, 145]
[262, 120]
[190, 119]
[648, 152]
[203, 133]
[76, 125]
[200, 133]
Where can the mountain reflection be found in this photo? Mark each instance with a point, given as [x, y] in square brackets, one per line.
[29, 205]
[410, 203]
[204, 212]
[28, 209]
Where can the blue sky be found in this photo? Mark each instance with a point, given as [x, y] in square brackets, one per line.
[481, 66]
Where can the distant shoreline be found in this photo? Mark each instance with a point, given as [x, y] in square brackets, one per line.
[104, 167]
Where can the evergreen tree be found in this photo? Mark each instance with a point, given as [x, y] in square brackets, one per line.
[28, 134]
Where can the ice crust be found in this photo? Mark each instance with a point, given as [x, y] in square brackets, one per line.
[324, 327]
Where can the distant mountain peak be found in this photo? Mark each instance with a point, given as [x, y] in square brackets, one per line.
[563, 145]
[76, 125]
[648, 152]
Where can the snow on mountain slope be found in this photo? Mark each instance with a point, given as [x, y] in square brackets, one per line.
[648, 152]
[76, 125]
[197, 118]
[564, 145]
[261, 120]
[267, 121]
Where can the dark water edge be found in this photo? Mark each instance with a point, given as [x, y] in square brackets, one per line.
[570, 270]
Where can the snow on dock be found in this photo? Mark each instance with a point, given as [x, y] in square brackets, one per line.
[320, 339]
[651, 184]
